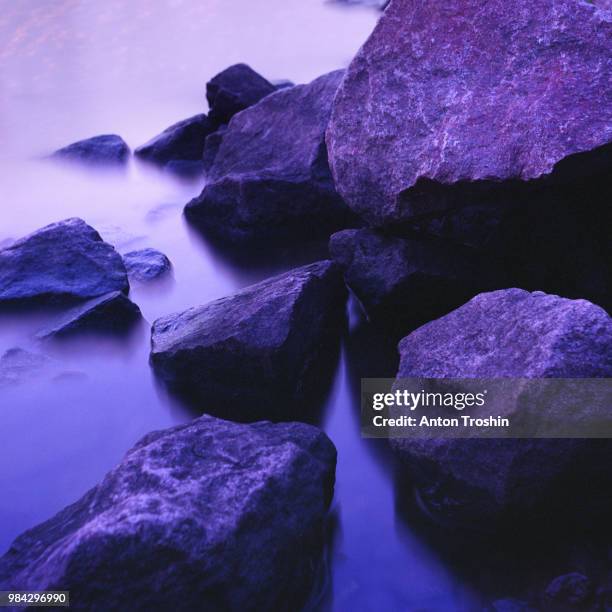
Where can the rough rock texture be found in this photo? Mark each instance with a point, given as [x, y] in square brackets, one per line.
[64, 261]
[212, 144]
[146, 265]
[465, 95]
[573, 590]
[260, 353]
[108, 149]
[208, 515]
[270, 178]
[404, 283]
[112, 313]
[181, 143]
[233, 90]
[509, 334]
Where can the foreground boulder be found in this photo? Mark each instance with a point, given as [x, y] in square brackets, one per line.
[64, 261]
[180, 145]
[263, 352]
[108, 149]
[209, 515]
[112, 313]
[270, 178]
[146, 265]
[403, 283]
[233, 90]
[509, 334]
[433, 114]
[212, 144]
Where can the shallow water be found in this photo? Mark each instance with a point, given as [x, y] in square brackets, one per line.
[71, 69]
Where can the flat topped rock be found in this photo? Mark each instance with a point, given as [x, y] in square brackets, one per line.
[208, 515]
[112, 313]
[509, 334]
[233, 90]
[108, 149]
[461, 92]
[64, 261]
[269, 178]
[260, 353]
[181, 142]
[146, 265]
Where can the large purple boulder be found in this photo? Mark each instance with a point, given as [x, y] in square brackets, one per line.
[509, 334]
[233, 90]
[263, 352]
[62, 262]
[447, 102]
[270, 180]
[210, 515]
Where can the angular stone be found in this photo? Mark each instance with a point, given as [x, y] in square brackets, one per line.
[208, 515]
[146, 265]
[181, 143]
[64, 261]
[270, 178]
[449, 103]
[233, 90]
[509, 334]
[403, 283]
[112, 313]
[263, 352]
[108, 149]
[212, 144]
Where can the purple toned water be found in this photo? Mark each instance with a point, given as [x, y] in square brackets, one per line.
[70, 69]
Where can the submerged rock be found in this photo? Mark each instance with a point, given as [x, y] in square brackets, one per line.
[270, 179]
[208, 515]
[263, 352]
[146, 265]
[404, 283]
[180, 146]
[233, 90]
[64, 261]
[509, 334]
[108, 149]
[18, 366]
[434, 113]
[112, 313]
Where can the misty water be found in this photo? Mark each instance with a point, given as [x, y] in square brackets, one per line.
[72, 69]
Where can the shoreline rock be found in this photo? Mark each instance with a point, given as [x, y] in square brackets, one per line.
[210, 515]
[61, 262]
[265, 352]
[104, 150]
[146, 265]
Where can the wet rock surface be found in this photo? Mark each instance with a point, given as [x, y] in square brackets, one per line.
[509, 334]
[208, 515]
[270, 179]
[108, 149]
[112, 314]
[62, 262]
[263, 352]
[451, 104]
[233, 90]
[179, 147]
[146, 265]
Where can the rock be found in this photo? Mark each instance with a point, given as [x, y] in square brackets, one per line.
[146, 265]
[379, 4]
[260, 353]
[64, 261]
[108, 149]
[571, 589]
[270, 179]
[207, 515]
[448, 104]
[509, 334]
[212, 144]
[283, 83]
[233, 90]
[512, 605]
[112, 313]
[403, 283]
[180, 146]
[18, 365]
